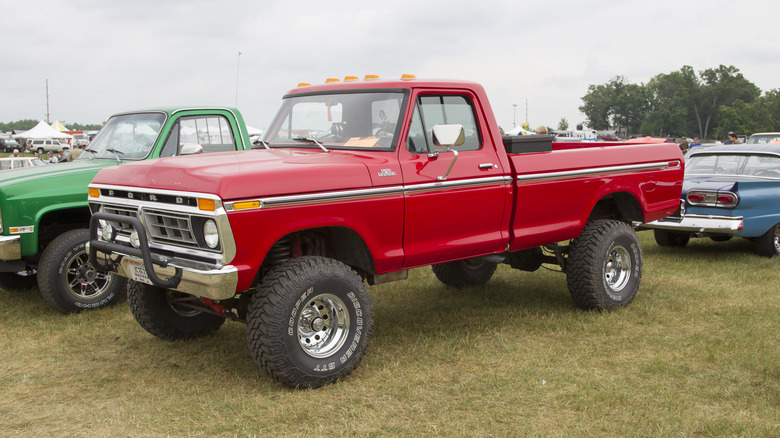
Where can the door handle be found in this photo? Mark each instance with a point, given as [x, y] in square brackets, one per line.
[485, 166]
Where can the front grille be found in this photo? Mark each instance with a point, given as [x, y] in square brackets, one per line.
[169, 227]
[123, 229]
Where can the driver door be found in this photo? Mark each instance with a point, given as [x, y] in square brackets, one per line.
[451, 213]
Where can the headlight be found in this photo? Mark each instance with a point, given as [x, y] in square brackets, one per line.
[211, 234]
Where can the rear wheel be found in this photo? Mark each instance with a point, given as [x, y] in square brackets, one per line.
[604, 266]
[169, 314]
[310, 322]
[671, 238]
[768, 245]
[464, 273]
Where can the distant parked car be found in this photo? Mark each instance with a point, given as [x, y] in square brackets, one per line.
[764, 138]
[9, 144]
[47, 145]
[729, 191]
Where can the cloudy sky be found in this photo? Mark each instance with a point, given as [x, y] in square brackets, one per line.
[102, 57]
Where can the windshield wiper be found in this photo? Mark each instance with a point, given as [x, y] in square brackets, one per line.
[311, 140]
[116, 153]
[92, 153]
[265, 144]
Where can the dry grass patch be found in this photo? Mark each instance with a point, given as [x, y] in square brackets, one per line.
[696, 353]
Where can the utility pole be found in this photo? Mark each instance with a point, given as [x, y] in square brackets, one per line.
[526, 112]
[238, 65]
[47, 102]
[514, 118]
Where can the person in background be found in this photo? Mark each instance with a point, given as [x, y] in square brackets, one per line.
[695, 143]
[684, 145]
[541, 130]
[75, 153]
[52, 158]
[732, 139]
[16, 153]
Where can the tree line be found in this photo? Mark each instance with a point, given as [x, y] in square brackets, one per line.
[27, 124]
[708, 104]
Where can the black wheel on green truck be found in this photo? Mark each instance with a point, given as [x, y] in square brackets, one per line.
[170, 315]
[310, 322]
[18, 281]
[67, 280]
[604, 265]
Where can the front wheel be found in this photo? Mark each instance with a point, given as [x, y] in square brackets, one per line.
[768, 244]
[69, 282]
[310, 322]
[170, 315]
[604, 265]
[464, 273]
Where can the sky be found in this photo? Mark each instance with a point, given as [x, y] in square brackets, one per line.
[535, 58]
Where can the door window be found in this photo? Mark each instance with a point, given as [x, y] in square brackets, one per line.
[437, 110]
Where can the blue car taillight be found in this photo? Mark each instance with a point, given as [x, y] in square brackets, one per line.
[710, 198]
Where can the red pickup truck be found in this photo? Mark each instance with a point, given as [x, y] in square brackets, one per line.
[356, 182]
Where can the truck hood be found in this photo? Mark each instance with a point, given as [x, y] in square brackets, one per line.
[40, 174]
[245, 174]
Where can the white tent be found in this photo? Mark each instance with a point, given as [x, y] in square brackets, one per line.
[43, 130]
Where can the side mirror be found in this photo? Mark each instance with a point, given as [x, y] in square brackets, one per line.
[190, 149]
[448, 135]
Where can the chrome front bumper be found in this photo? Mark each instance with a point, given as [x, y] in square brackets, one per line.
[10, 248]
[214, 283]
[698, 223]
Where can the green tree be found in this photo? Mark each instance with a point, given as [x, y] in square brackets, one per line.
[616, 104]
[670, 107]
[721, 86]
[597, 106]
[563, 125]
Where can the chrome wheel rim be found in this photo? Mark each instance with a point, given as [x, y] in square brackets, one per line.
[84, 281]
[323, 326]
[617, 269]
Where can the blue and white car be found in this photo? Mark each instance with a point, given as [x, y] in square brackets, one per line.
[729, 191]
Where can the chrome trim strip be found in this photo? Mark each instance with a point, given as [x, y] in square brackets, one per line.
[347, 195]
[323, 197]
[596, 171]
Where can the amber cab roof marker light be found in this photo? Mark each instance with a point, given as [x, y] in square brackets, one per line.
[407, 77]
[303, 84]
[350, 78]
[371, 77]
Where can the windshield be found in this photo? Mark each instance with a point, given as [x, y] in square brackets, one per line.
[126, 137]
[342, 121]
[764, 138]
[733, 164]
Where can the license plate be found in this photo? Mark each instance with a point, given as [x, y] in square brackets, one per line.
[138, 272]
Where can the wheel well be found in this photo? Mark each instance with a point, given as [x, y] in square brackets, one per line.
[619, 205]
[55, 223]
[338, 243]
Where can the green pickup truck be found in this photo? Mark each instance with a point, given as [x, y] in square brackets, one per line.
[44, 217]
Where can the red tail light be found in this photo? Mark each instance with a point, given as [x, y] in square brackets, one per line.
[711, 198]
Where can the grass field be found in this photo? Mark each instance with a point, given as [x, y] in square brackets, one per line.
[696, 354]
